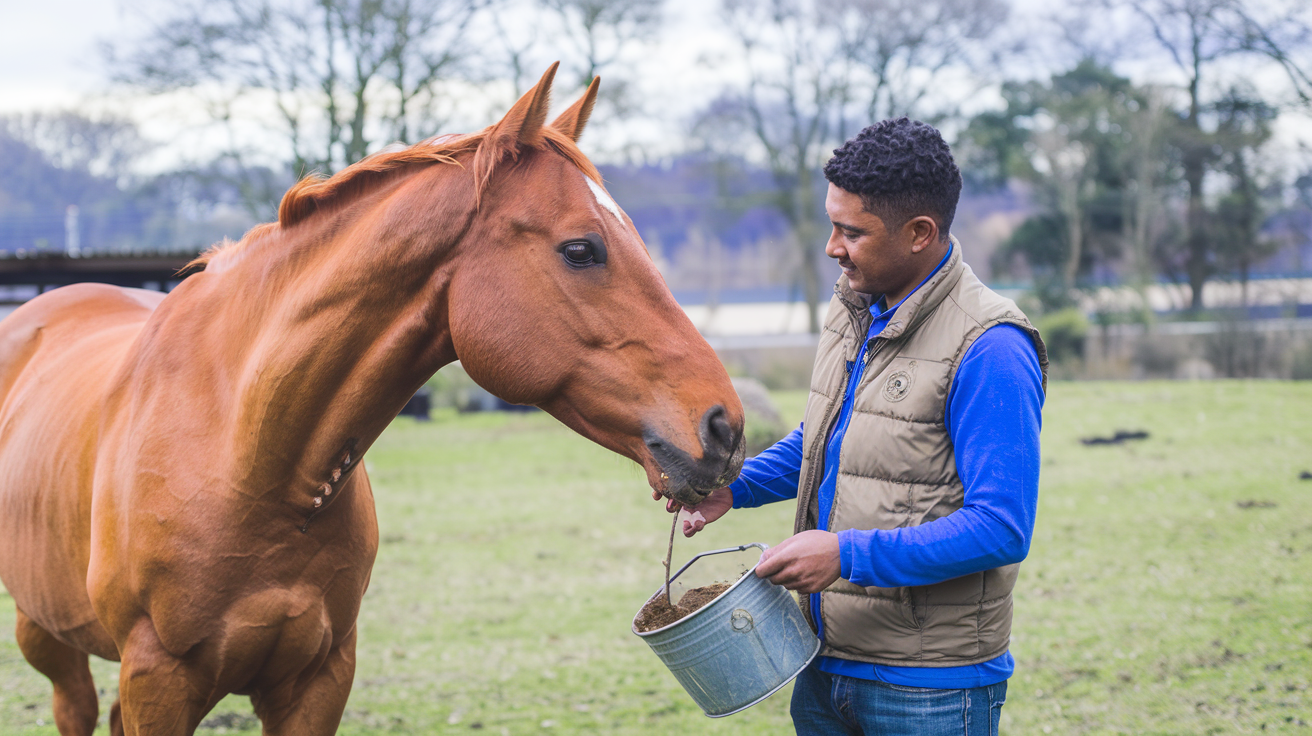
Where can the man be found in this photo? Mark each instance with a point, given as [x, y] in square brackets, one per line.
[916, 467]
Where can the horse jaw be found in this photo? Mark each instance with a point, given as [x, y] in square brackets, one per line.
[678, 476]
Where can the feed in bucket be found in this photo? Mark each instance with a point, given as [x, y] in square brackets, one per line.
[659, 612]
[737, 646]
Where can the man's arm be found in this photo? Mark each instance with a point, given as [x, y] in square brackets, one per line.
[994, 415]
[772, 475]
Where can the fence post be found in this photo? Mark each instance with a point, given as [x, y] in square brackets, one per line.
[72, 241]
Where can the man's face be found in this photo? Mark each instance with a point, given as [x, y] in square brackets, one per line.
[874, 259]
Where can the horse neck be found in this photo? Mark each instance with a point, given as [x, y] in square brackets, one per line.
[323, 334]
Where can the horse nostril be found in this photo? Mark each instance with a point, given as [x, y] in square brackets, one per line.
[717, 435]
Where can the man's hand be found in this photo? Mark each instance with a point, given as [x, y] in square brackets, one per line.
[806, 562]
[695, 518]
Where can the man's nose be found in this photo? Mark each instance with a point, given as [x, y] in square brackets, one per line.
[834, 247]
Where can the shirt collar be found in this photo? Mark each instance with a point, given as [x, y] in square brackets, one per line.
[886, 314]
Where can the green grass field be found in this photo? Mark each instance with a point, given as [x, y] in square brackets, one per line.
[1167, 589]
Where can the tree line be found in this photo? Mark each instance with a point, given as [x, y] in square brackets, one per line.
[1131, 177]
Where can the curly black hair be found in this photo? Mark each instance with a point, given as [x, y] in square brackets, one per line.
[901, 169]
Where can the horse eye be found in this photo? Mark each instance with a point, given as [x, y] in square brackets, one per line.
[578, 253]
[589, 250]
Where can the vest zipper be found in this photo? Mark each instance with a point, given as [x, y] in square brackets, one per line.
[872, 346]
[855, 315]
[804, 503]
[817, 444]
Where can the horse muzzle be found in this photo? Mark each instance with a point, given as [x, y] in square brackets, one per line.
[690, 480]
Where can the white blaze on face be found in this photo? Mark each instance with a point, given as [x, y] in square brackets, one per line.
[603, 198]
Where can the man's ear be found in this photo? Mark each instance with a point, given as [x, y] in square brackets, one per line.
[922, 231]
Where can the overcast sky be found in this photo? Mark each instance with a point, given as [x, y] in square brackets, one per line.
[49, 59]
[48, 50]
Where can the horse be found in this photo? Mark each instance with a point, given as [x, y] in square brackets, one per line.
[181, 487]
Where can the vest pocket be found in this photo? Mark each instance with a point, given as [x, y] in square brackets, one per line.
[951, 632]
[950, 612]
[966, 590]
[870, 625]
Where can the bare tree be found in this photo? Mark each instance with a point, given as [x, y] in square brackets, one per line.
[818, 71]
[1091, 144]
[1066, 162]
[426, 45]
[1148, 123]
[518, 39]
[339, 73]
[795, 91]
[1243, 126]
[594, 38]
[104, 146]
[900, 48]
[599, 30]
[1196, 34]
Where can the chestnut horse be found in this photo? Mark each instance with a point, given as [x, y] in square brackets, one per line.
[180, 478]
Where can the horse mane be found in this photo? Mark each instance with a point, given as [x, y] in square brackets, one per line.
[316, 193]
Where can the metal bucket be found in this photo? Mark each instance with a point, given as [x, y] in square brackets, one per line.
[740, 648]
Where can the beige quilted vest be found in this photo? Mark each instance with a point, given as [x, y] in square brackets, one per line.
[898, 469]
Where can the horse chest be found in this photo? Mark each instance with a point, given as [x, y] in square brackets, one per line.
[241, 582]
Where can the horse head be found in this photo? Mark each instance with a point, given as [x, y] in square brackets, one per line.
[556, 303]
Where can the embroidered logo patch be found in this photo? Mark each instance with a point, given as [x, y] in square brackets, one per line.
[897, 386]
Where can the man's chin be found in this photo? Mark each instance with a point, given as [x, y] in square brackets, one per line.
[859, 285]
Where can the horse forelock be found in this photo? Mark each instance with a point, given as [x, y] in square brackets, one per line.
[491, 155]
[315, 192]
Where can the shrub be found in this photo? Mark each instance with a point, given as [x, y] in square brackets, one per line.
[1303, 364]
[1063, 332]
[764, 424]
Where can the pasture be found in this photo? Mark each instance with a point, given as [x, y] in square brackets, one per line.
[1167, 591]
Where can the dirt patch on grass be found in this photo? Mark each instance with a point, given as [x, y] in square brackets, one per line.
[657, 613]
[1251, 504]
[231, 722]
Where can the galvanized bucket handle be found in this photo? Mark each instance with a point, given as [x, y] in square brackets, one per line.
[740, 548]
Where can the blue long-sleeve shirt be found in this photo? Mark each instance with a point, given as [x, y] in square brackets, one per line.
[993, 417]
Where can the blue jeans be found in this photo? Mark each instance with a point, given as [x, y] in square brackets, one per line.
[826, 704]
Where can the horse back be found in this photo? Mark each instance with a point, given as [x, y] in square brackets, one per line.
[58, 354]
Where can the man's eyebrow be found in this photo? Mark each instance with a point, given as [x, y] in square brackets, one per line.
[845, 226]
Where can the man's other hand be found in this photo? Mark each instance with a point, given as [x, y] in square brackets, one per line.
[806, 562]
[695, 518]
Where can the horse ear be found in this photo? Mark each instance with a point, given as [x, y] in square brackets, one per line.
[572, 121]
[522, 125]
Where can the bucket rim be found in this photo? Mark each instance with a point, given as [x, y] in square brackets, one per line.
[750, 573]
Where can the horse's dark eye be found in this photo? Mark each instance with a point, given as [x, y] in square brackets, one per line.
[578, 253]
[589, 250]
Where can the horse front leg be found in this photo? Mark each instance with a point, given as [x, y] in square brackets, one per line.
[312, 707]
[75, 704]
[160, 694]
